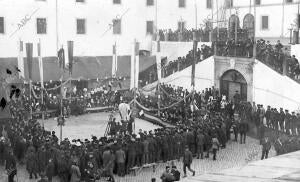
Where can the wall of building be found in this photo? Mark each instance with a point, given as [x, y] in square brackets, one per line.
[281, 16]
[99, 38]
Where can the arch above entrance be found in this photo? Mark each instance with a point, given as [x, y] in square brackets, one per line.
[233, 85]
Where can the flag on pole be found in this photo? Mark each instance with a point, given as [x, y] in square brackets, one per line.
[21, 60]
[41, 67]
[61, 58]
[195, 43]
[70, 55]
[29, 47]
[158, 61]
[114, 61]
[134, 66]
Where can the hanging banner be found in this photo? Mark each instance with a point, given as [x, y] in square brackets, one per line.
[41, 67]
[29, 47]
[158, 61]
[134, 66]
[195, 43]
[21, 60]
[70, 55]
[114, 62]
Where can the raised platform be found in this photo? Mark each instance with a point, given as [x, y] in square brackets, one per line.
[283, 168]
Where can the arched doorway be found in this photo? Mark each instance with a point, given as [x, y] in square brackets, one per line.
[248, 24]
[233, 82]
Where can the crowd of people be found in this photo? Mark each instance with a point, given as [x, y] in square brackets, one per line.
[183, 62]
[184, 35]
[275, 56]
[201, 126]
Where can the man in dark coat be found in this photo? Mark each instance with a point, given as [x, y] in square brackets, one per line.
[131, 154]
[268, 117]
[108, 163]
[281, 119]
[31, 162]
[42, 159]
[266, 146]
[187, 161]
[243, 128]
[11, 166]
[200, 143]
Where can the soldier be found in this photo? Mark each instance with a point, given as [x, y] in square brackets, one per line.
[139, 152]
[298, 123]
[200, 143]
[120, 159]
[266, 146]
[287, 120]
[293, 123]
[276, 119]
[269, 117]
[11, 166]
[187, 161]
[243, 128]
[215, 146]
[177, 145]
[235, 128]
[207, 143]
[165, 148]
[281, 119]
[108, 163]
[131, 154]
[145, 151]
[31, 162]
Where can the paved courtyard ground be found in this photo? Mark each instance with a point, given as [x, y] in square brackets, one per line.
[84, 126]
[233, 156]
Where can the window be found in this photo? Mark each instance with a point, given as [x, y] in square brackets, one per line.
[117, 26]
[257, 2]
[229, 3]
[265, 22]
[149, 27]
[2, 25]
[81, 26]
[150, 2]
[41, 25]
[181, 3]
[208, 4]
[80, 1]
[289, 1]
[181, 25]
[117, 1]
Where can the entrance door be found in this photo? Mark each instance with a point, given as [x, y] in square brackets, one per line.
[233, 87]
[232, 81]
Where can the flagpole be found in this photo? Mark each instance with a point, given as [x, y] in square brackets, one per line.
[30, 98]
[42, 80]
[196, 15]
[193, 73]
[158, 63]
[254, 32]
[134, 83]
